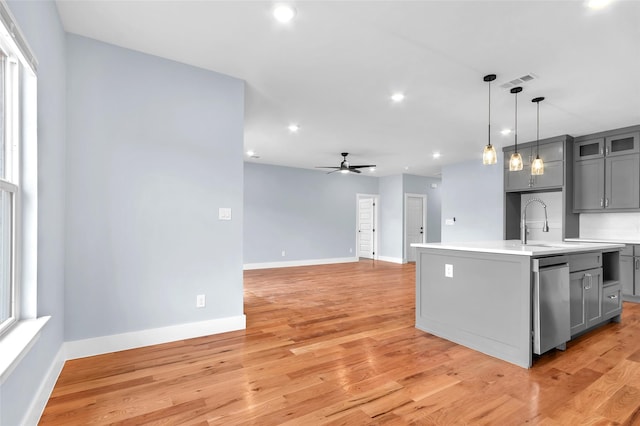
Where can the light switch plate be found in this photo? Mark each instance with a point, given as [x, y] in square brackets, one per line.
[224, 213]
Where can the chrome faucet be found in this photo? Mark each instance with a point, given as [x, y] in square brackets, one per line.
[523, 227]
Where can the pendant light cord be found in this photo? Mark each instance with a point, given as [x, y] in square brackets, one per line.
[489, 135]
[516, 129]
[538, 131]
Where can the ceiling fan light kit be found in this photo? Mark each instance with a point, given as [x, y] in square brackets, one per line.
[345, 167]
[489, 155]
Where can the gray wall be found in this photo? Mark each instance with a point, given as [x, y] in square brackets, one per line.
[154, 148]
[422, 185]
[391, 216]
[309, 214]
[41, 26]
[473, 194]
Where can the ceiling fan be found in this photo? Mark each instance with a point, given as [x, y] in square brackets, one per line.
[345, 167]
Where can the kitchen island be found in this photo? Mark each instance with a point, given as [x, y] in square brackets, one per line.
[496, 296]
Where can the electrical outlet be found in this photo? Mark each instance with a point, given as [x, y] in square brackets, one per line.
[283, 253]
[224, 213]
[200, 301]
[448, 270]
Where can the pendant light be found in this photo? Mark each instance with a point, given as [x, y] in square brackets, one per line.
[537, 167]
[515, 162]
[489, 155]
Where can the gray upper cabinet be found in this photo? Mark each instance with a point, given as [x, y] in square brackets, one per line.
[606, 172]
[588, 184]
[552, 154]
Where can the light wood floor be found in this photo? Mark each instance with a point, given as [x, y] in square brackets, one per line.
[337, 345]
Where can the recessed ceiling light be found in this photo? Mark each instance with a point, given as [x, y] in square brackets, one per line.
[436, 155]
[293, 128]
[505, 132]
[397, 97]
[251, 153]
[597, 4]
[284, 13]
[406, 167]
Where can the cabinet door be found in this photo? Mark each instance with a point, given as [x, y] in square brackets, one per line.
[628, 143]
[588, 184]
[517, 181]
[553, 175]
[593, 296]
[589, 149]
[627, 266]
[577, 311]
[622, 182]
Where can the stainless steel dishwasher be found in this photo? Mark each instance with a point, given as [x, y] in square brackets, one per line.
[551, 320]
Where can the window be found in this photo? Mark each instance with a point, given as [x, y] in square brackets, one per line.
[18, 172]
[9, 188]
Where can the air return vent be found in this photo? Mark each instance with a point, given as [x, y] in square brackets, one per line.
[519, 81]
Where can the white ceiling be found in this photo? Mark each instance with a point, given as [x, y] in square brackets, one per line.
[333, 68]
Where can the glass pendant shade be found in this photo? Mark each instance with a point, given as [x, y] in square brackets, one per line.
[515, 163]
[537, 167]
[489, 156]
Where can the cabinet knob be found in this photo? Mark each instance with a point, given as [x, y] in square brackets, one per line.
[606, 202]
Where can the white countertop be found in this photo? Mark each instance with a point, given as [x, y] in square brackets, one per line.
[604, 240]
[533, 248]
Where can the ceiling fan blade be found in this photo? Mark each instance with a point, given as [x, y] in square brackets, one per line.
[333, 171]
[362, 166]
[355, 171]
[327, 167]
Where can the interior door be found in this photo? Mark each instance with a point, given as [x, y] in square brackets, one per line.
[366, 233]
[414, 225]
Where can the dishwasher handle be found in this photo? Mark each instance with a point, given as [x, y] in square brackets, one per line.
[547, 262]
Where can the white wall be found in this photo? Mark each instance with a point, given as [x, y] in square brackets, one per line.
[391, 218]
[154, 148]
[310, 215]
[472, 193]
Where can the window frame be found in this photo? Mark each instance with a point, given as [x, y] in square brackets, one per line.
[10, 180]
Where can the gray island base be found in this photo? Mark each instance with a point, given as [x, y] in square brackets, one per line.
[489, 296]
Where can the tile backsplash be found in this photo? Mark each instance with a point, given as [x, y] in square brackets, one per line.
[625, 226]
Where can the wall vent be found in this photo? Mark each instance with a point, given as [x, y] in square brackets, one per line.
[519, 81]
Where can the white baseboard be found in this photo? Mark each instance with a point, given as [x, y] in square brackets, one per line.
[391, 259]
[40, 399]
[136, 339]
[309, 262]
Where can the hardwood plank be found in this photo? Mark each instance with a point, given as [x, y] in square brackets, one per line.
[336, 345]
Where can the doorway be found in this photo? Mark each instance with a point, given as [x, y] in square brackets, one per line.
[367, 223]
[415, 220]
